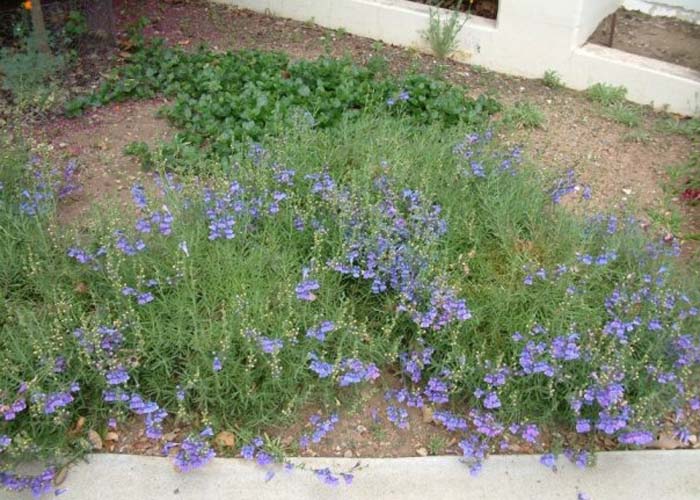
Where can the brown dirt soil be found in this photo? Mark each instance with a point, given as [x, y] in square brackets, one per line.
[98, 139]
[364, 431]
[625, 166]
[663, 38]
[482, 8]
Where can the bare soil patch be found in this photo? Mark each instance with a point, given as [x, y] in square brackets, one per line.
[97, 139]
[664, 38]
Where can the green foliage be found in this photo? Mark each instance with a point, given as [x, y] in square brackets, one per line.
[685, 176]
[74, 28]
[606, 94]
[223, 100]
[627, 114]
[523, 114]
[140, 150]
[441, 34]
[639, 136]
[218, 297]
[688, 127]
[552, 79]
[30, 76]
[437, 445]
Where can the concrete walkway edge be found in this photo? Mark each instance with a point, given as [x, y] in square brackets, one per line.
[634, 475]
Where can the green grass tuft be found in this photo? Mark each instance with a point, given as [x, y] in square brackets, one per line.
[606, 94]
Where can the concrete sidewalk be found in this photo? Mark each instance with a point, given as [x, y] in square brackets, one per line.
[637, 475]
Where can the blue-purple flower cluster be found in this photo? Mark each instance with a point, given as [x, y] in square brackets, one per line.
[320, 427]
[194, 452]
[48, 186]
[391, 240]
[389, 244]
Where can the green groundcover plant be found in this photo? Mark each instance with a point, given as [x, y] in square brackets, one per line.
[317, 263]
[220, 100]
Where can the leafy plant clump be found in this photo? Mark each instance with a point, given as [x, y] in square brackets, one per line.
[606, 94]
[525, 115]
[319, 264]
[220, 101]
[441, 34]
[552, 79]
[29, 76]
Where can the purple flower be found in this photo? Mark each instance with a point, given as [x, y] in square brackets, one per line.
[144, 298]
[474, 449]
[59, 365]
[248, 451]
[414, 363]
[194, 452]
[583, 425]
[581, 459]
[397, 416]
[486, 424]
[138, 194]
[5, 442]
[141, 407]
[263, 458]
[117, 376]
[437, 390]
[355, 371]
[497, 378]
[319, 332]
[270, 346]
[549, 461]
[216, 364]
[143, 225]
[638, 438]
[320, 429]
[305, 289]
[56, 400]
[610, 424]
[321, 368]
[180, 393]
[80, 255]
[492, 401]
[450, 421]
[566, 348]
[327, 476]
[530, 433]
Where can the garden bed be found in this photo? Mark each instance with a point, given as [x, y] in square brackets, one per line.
[663, 38]
[348, 268]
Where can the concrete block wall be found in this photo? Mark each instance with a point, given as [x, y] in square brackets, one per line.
[528, 38]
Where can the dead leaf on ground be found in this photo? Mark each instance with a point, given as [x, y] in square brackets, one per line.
[226, 439]
[95, 439]
[666, 442]
[427, 414]
[60, 477]
[79, 424]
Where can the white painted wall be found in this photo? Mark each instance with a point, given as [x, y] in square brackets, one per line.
[686, 4]
[528, 38]
[592, 12]
[688, 10]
